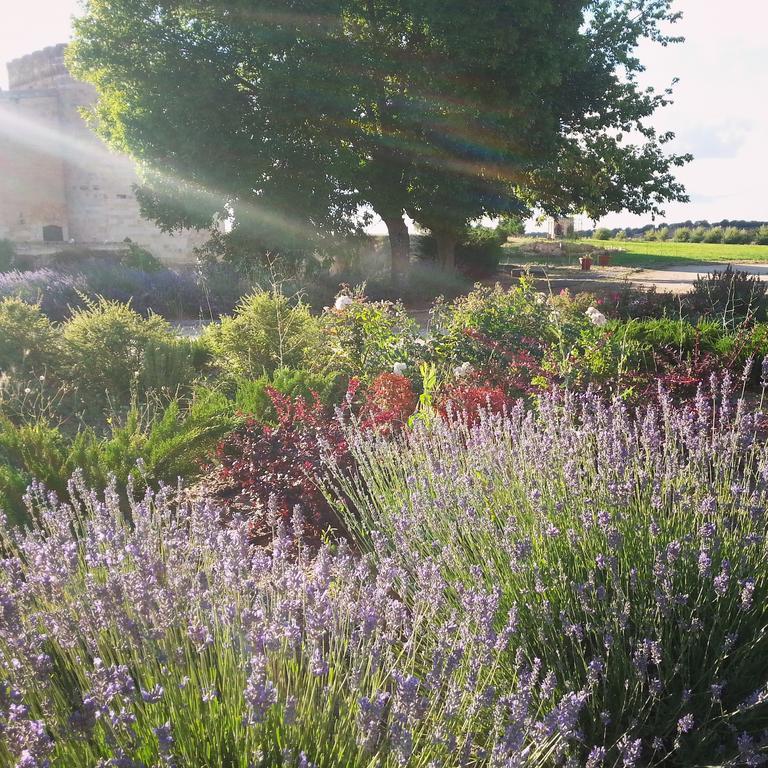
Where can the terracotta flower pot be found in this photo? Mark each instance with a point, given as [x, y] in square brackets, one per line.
[586, 263]
[604, 259]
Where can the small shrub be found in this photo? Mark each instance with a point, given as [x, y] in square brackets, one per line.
[251, 397]
[602, 233]
[569, 304]
[29, 344]
[169, 638]
[58, 291]
[55, 291]
[489, 324]
[168, 365]
[169, 443]
[675, 334]
[267, 471]
[164, 292]
[107, 348]
[366, 338]
[682, 235]
[137, 257]
[735, 236]
[730, 295]
[221, 287]
[268, 331]
[468, 402]
[425, 282]
[478, 252]
[713, 235]
[7, 255]
[630, 548]
[388, 402]
[662, 234]
[630, 302]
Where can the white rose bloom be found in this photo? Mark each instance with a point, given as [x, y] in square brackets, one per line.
[399, 369]
[462, 370]
[342, 302]
[596, 317]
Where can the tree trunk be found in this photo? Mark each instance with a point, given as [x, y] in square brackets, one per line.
[446, 249]
[399, 245]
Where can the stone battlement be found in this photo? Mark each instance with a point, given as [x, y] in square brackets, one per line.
[41, 69]
[59, 183]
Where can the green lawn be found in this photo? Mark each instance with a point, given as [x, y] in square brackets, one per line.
[656, 254]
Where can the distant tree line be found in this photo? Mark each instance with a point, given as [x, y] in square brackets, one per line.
[728, 231]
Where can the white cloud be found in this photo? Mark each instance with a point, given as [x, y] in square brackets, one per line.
[32, 24]
[720, 110]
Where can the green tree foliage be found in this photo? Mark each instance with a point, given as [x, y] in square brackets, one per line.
[698, 234]
[511, 225]
[288, 116]
[713, 235]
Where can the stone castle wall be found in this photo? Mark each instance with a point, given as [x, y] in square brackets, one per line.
[56, 172]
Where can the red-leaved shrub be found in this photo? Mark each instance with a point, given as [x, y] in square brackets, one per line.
[388, 403]
[467, 400]
[265, 470]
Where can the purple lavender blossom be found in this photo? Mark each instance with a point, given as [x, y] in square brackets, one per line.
[685, 724]
[631, 751]
[596, 757]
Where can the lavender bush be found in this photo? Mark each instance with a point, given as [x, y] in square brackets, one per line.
[54, 290]
[166, 292]
[163, 637]
[629, 549]
[175, 295]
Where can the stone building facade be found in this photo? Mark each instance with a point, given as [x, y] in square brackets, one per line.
[59, 182]
[561, 227]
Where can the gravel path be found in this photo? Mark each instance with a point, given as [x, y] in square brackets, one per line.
[680, 279]
[675, 278]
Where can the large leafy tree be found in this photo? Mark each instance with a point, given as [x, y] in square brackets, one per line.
[291, 114]
[230, 109]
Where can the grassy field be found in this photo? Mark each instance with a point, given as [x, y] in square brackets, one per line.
[657, 254]
[642, 254]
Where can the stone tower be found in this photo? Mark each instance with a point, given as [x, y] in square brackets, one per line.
[59, 183]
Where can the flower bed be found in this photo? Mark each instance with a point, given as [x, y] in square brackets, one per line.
[555, 528]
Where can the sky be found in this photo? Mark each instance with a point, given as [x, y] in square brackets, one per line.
[720, 110]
